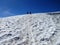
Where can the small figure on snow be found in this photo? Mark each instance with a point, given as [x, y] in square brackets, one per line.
[27, 12]
[30, 12]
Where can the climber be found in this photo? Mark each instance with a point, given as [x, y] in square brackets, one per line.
[27, 12]
[30, 12]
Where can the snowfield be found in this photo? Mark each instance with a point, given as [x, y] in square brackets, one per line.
[30, 29]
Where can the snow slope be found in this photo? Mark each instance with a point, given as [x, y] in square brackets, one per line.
[30, 29]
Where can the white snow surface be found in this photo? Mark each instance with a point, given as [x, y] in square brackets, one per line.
[30, 29]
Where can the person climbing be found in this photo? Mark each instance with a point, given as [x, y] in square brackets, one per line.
[30, 12]
[27, 12]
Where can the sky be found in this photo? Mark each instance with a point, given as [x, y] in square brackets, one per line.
[19, 7]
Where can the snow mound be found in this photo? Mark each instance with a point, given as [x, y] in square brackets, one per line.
[30, 29]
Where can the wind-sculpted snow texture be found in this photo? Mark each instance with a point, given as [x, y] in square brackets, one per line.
[30, 29]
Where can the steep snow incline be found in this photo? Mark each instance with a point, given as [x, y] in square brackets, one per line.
[30, 29]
